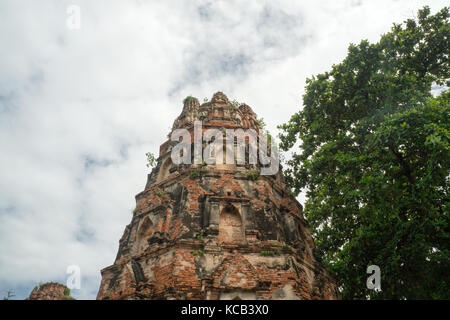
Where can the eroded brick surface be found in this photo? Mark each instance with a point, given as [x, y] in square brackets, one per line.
[214, 231]
[50, 291]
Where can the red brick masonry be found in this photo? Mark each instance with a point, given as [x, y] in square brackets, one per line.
[215, 231]
[50, 291]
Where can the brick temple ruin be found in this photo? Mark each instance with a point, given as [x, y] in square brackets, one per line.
[215, 231]
[50, 291]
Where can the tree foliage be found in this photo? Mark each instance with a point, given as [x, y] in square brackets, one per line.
[374, 159]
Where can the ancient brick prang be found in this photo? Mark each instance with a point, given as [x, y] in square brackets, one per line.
[217, 231]
[50, 291]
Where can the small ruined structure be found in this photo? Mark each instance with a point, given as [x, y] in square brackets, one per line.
[50, 291]
[220, 231]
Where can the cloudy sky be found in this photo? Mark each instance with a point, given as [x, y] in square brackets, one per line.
[79, 108]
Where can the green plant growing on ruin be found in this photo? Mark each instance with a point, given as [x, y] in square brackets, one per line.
[197, 252]
[189, 99]
[267, 253]
[278, 244]
[269, 137]
[253, 175]
[200, 237]
[194, 174]
[262, 126]
[235, 103]
[270, 253]
[159, 193]
[201, 160]
[261, 123]
[151, 160]
[67, 292]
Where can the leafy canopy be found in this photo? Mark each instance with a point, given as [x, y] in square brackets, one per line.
[374, 160]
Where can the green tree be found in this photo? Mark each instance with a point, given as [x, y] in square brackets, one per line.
[374, 160]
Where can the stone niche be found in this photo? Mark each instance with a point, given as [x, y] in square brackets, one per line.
[164, 172]
[230, 225]
[226, 217]
[145, 231]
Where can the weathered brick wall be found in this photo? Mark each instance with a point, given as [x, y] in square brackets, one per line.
[215, 232]
[50, 291]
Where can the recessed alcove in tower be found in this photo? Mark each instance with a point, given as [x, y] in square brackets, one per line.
[230, 225]
[165, 170]
[144, 233]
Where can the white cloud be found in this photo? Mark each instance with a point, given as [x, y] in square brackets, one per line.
[79, 109]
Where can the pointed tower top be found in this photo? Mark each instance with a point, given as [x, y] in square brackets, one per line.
[225, 221]
[190, 102]
[219, 97]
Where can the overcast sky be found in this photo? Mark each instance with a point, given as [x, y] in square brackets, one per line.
[80, 108]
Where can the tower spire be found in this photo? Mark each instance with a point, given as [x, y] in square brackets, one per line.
[215, 231]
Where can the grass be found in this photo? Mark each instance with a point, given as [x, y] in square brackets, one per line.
[189, 99]
[194, 174]
[252, 175]
[196, 252]
[270, 253]
[235, 103]
[279, 244]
